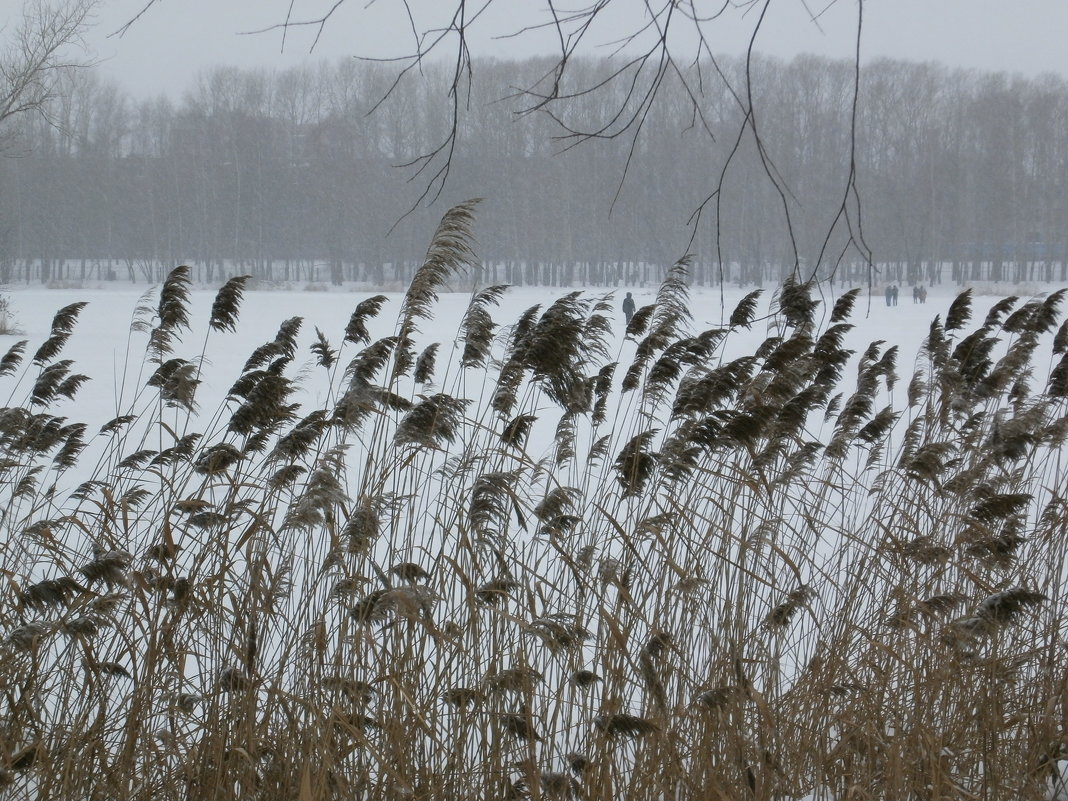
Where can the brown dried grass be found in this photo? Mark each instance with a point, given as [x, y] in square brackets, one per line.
[693, 596]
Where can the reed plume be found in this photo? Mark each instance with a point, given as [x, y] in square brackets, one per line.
[748, 565]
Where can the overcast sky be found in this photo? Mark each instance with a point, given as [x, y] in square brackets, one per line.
[175, 39]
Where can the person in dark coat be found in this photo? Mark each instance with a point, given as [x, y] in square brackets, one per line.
[893, 294]
[628, 307]
[889, 294]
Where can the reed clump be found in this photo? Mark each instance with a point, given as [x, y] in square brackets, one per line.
[534, 572]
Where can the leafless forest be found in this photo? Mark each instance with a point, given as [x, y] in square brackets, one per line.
[285, 176]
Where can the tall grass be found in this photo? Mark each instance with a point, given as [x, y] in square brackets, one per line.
[726, 578]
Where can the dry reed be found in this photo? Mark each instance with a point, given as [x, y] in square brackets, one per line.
[727, 578]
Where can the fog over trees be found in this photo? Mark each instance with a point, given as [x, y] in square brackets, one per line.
[286, 176]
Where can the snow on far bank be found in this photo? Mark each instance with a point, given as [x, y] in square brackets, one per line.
[104, 347]
[102, 337]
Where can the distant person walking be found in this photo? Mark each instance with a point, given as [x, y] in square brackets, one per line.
[916, 293]
[628, 307]
[889, 294]
[923, 294]
[893, 295]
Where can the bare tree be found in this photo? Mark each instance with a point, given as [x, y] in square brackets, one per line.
[40, 45]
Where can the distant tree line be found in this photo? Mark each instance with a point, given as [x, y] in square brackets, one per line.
[287, 176]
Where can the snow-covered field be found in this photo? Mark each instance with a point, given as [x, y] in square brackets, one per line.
[104, 347]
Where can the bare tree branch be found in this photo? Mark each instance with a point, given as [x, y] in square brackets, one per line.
[45, 43]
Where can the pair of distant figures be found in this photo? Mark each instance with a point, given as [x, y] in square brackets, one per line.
[919, 294]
